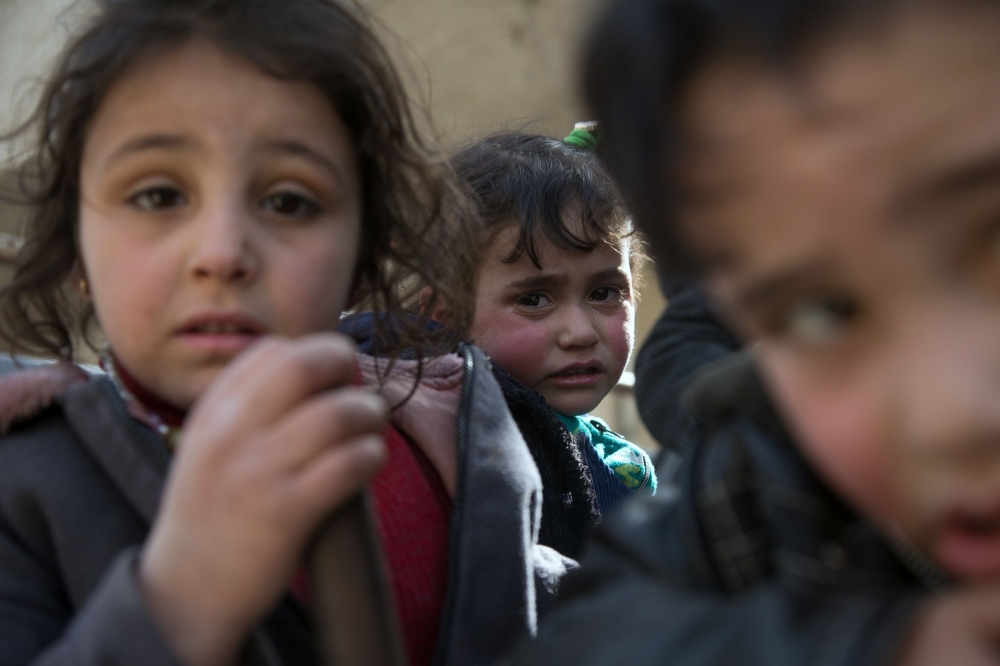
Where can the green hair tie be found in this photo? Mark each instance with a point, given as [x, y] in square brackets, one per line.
[585, 135]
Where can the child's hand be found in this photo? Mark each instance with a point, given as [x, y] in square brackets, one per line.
[960, 629]
[271, 448]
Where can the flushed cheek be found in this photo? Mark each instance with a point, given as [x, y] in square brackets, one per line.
[619, 336]
[517, 345]
[844, 434]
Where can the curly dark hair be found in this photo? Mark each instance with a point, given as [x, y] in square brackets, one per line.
[410, 235]
[530, 180]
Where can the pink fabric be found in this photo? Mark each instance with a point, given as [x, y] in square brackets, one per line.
[429, 417]
[26, 393]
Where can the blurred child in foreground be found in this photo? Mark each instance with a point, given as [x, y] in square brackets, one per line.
[831, 172]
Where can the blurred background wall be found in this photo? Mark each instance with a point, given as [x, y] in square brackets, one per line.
[478, 65]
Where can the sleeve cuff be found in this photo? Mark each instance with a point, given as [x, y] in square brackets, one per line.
[114, 627]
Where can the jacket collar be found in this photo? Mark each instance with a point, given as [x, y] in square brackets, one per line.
[131, 454]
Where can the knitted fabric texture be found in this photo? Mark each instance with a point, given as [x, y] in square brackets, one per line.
[569, 504]
[611, 492]
[632, 465]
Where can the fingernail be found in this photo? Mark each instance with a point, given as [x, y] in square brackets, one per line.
[374, 402]
[374, 448]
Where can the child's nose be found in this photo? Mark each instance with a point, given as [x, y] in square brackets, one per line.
[947, 376]
[577, 329]
[223, 249]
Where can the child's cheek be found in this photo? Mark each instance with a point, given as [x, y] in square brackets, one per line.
[620, 337]
[517, 345]
[841, 429]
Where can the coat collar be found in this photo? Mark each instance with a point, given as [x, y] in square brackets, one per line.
[131, 454]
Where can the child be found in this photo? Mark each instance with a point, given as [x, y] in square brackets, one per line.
[210, 173]
[555, 295]
[829, 171]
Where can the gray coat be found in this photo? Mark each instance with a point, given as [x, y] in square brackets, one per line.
[80, 483]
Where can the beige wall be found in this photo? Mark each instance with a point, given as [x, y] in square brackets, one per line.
[481, 65]
[491, 63]
[31, 34]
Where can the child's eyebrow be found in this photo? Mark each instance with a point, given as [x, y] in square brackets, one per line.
[957, 179]
[539, 281]
[148, 142]
[181, 142]
[609, 274]
[779, 283]
[299, 149]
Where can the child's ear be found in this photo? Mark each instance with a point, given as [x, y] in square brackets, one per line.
[436, 310]
[78, 279]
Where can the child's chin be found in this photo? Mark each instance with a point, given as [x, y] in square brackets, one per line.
[572, 405]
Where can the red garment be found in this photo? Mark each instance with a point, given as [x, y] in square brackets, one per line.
[413, 511]
[167, 412]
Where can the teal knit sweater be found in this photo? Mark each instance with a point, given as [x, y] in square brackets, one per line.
[631, 465]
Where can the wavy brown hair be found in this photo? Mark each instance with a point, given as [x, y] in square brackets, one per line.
[410, 235]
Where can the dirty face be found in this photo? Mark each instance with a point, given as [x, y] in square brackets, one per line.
[219, 204]
[565, 329]
[850, 224]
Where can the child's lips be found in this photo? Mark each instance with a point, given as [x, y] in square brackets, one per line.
[221, 343]
[968, 545]
[577, 376]
[220, 332]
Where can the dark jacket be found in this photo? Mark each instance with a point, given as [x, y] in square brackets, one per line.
[686, 338]
[570, 498]
[80, 483]
[749, 559]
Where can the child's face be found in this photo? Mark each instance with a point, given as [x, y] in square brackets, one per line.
[565, 330]
[219, 204]
[851, 225]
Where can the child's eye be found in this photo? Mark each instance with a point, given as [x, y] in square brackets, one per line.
[157, 198]
[606, 295]
[820, 321]
[533, 301]
[291, 204]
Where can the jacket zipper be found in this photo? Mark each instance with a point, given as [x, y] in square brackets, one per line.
[918, 564]
[462, 427]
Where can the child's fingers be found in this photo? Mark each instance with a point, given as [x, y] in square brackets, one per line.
[325, 421]
[274, 376]
[338, 473]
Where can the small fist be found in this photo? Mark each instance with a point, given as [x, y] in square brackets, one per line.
[279, 440]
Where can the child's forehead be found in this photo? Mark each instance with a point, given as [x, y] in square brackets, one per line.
[196, 95]
[866, 124]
